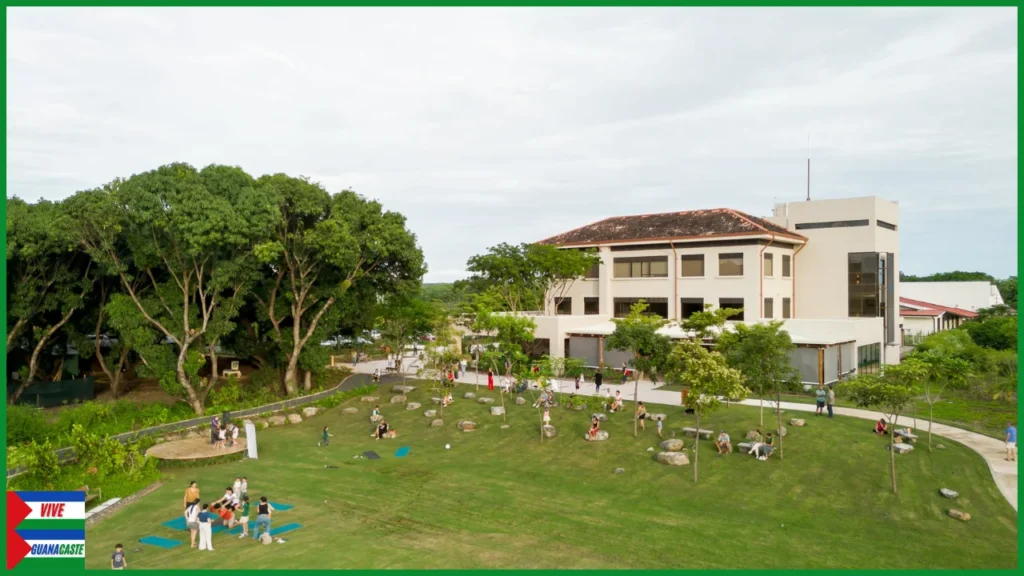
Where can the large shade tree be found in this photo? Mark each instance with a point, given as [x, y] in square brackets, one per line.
[320, 248]
[529, 276]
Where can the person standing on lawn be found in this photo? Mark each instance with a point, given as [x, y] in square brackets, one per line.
[830, 399]
[243, 517]
[819, 400]
[192, 520]
[598, 379]
[206, 529]
[490, 379]
[1011, 443]
[117, 560]
[191, 493]
[263, 512]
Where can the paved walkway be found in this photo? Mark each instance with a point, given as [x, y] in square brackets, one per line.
[992, 450]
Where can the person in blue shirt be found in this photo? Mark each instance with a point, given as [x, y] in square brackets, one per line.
[1011, 443]
[819, 400]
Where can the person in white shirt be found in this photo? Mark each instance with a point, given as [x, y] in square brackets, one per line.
[463, 364]
[192, 520]
[236, 488]
[234, 434]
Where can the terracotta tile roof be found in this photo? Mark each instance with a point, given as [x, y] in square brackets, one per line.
[934, 307]
[691, 224]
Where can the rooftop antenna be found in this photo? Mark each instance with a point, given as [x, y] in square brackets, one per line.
[808, 167]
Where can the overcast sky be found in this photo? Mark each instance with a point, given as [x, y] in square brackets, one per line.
[511, 125]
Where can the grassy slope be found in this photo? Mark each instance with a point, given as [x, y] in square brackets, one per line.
[501, 499]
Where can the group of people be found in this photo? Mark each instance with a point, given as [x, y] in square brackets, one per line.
[222, 434]
[762, 446]
[231, 509]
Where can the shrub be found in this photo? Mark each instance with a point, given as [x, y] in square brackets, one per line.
[25, 424]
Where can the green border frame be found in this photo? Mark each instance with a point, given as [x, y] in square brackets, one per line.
[70, 567]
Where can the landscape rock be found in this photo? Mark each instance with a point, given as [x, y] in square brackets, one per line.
[744, 447]
[430, 413]
[620, 470]
[949, 493]
[692, 432]
[435, 400]
[402, 389]
[549, 431]
[398, 399]
[505, 426]
[651, 449]
[657, 417]
[673, 445]
[469, 396]
[486, 400]
[196, 434]
[310, 411]
[294, 418]
[497, 411]
[673, 458]
[466, 425]
[266, 538]
[601, 417]
[412, 406]
[579, 408]
[601, 436]
[520, 400]
[750, 435]
[797, 422]
[437, 423]
[782, 431]
[901, 448]
[369, 399]
[962, 516]
[260, 425]
[940, 446]
[350, 410]
[277, 420]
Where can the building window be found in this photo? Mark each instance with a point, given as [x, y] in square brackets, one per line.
[787, 308]
[736, 303]
[690, 306]
[564, 307]
[769, 268]
[643, 267]
[691, 266]
[730, 264]
[655, 306]
[786, 266]
[838, 224]
[869, 358]
[595, 272]
[886, 225]
[591, 305]
[768, 308]
[863, 285]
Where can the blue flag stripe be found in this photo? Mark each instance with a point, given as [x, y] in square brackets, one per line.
[52, 534]
[51, 496]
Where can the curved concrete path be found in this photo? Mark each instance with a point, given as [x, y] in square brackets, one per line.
[992, 450]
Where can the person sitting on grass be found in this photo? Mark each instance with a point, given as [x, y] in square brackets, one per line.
[376, 375]
[641, 414]
[225, 517]
[375, 414]
[382, 429]
[724, 443]
[768, 447]
[756, 442]
[595, 425]
[881, 427]
[542, 400]
[447, 401]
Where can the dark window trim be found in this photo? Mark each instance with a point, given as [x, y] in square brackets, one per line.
[836, 224]
[632, 259]
[787, 314]
[886, 225]
[769, 307]
[562, 305]
[630, 301]
[693, 258]
[733, 303]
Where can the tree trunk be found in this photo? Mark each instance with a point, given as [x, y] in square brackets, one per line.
[194, 400]
[214, 367]
[501, 394]
[930, 409]
[778, 419]
[14, 333]
[541, 426]
[892, 455]
[291, 373]
[762, 412]
[307, 382]
[33, 363]
[696, 447]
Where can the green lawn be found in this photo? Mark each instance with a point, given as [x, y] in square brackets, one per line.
[502, 499]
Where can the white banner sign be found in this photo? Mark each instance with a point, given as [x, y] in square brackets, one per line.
[250, 438]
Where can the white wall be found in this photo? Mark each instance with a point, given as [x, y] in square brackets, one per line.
[918, 325]
[971, 296]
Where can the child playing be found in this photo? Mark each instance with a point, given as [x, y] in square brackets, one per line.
[243, 517]
[220, 437]
[659, 428]
[327, 438]
[547, 417]
[245, 488]
[117, 561]
[234, 434]
[236, 488]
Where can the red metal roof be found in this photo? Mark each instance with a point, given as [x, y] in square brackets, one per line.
[937, 308]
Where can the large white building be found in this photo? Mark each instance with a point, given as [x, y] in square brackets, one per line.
[972, 296]
[829, 269]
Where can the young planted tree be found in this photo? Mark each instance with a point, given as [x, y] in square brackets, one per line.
[890, 394]
[638, 334]
[709, 377]
[937, 372]
[507, 335]
[402, 320]
[440, 356]
[319, 247]
[190, 236]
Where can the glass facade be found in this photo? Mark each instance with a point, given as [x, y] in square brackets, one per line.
[865, 284]
[642, 267]
[869, 358]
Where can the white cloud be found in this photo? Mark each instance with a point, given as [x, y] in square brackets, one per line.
[492, 125]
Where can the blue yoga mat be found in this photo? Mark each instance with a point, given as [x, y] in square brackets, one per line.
[176, 524]
[179, 522]
[275, 531]
[281, 507]
[402, 451]
[160, 542]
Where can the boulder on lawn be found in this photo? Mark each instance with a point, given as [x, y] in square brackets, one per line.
[673, 458]
[797, 422]
[505, 426]
[294, 418]
[485, 400]
[962, 516]
[620, 470]
[437, 423]
[657, 417]
[261, 424]
[601, 417]
[430, 413]
[469, 396]
[750, 435]
[782, 431]
[402, 389]
[435, 400]
[412, 406]
[520, 400]
[466, 425]
[277, 420]
[350, 410]
[310, 411]
[369, 399]
[901, 448]
[949, 493]
[497, 411]
[672, 445]
[744, 447]
[399, 399]
[549, 431]
[692, 432]
[266, 538]
[601, 436]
